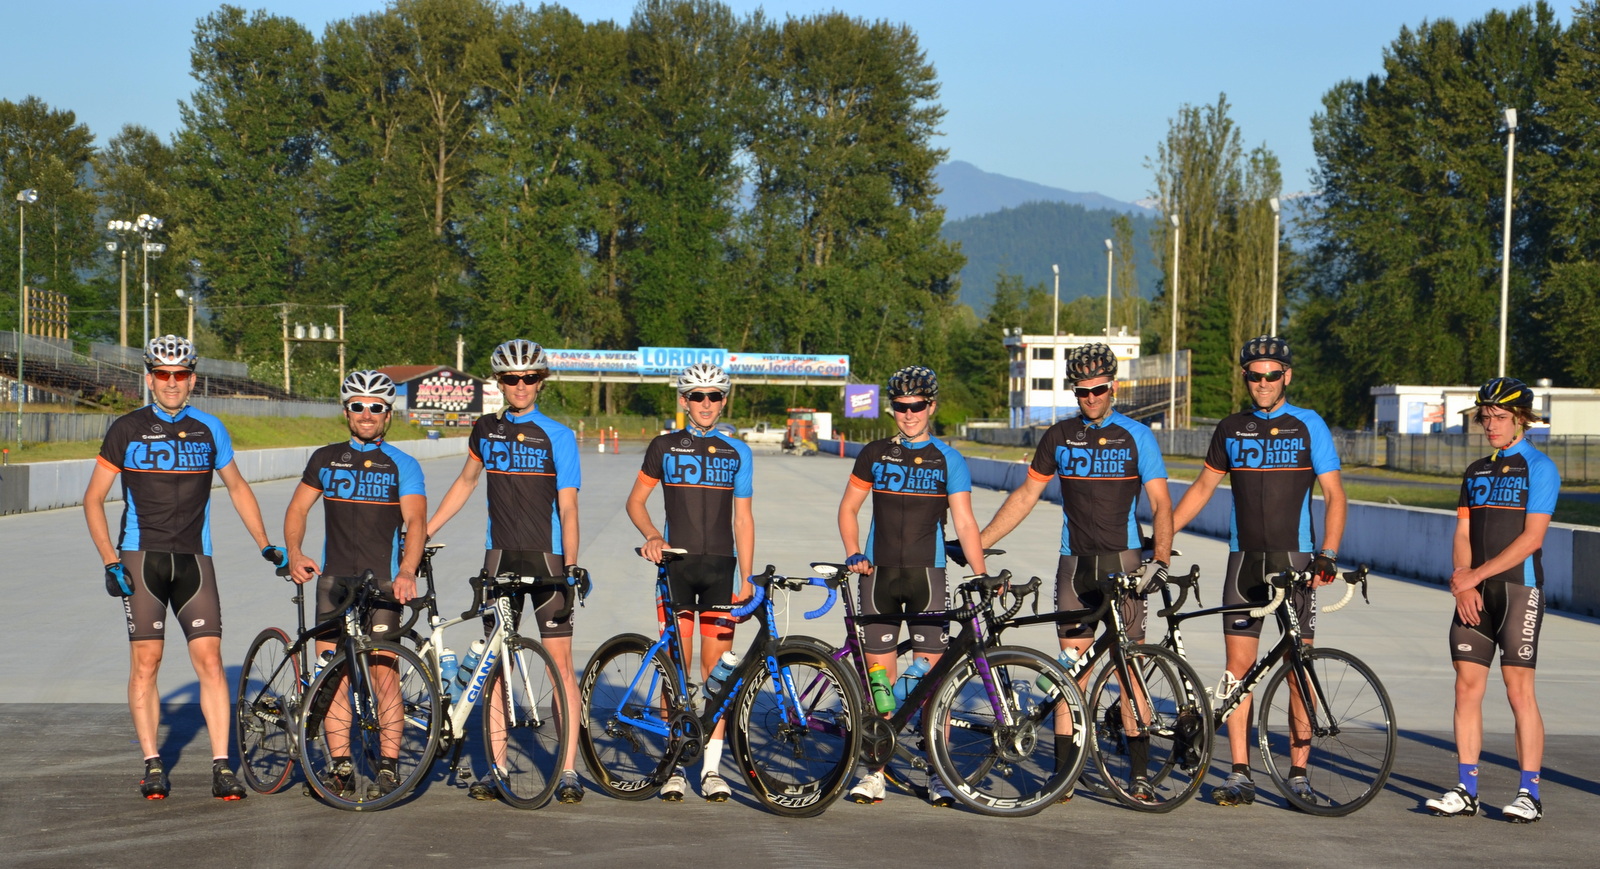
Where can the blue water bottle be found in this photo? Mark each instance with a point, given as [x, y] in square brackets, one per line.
[469, 664]
[908, 680]
[448, 667]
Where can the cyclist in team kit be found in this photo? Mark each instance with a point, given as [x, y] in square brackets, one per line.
[706, 483]
[914, 479]
[1507, 499]
[534, 479]
[370, 491]
[1102, 459]
[1272, 455]
[166, 452]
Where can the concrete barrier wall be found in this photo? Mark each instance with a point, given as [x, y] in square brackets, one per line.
[49, 485]
[1413, 542]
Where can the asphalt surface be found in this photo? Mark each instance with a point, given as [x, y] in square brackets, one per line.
[69, 795]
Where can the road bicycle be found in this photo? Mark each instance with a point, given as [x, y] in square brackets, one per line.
[272, 682]
[1323, 707]
[524, 721]
[639, 721]
[988, 713]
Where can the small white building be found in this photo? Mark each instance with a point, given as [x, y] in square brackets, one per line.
[1040, 393]
[1442, 409]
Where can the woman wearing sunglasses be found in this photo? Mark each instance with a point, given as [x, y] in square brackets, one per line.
[707, 488]
[914, 479]
[1273, 454]
[1103, 460]
[534, 478]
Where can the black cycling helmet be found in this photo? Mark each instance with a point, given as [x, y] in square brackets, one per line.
[914, 380]
[1505, 392]
[1266, 347]
[1091, 361]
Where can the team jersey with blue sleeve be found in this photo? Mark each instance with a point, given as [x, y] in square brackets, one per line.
[361, 486]
[1272, 460]
[911, 484]
[701, 475]
[1498, 492]
[530, 458]
[1102, 469]
[166, 462]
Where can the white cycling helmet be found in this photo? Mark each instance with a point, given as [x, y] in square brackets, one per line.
[518, 354]
[366, 383]
[703, 375]
[169, 350]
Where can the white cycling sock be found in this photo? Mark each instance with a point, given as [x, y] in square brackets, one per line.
[713, 757]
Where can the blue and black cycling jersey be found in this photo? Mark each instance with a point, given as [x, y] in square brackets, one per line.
[1102, 469]
[1498, 492]
[361, 486]
[166, 462]
[701, 474]
[1272, 459]
[911, 484]
[529, 458]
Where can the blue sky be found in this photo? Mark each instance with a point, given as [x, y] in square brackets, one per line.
[1070, 94]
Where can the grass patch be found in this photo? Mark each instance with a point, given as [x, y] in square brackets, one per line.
[248, 433]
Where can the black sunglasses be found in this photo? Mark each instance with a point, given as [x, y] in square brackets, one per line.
[1269, 376]
[164, 376]
[377, 407]
[514, 379]
[712, 397]
[911, 407]
[1086, 391]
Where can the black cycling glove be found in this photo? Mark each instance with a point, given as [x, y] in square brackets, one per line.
[1323, 567]
[118, 583]
[277, 555]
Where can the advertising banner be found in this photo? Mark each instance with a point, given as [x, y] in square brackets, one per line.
[671, 360]
[622, 361]
[788, 365]
[861, 400]
[667, 361]
[446, 391]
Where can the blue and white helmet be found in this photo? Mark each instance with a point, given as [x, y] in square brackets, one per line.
[367, 383]
[170, 350]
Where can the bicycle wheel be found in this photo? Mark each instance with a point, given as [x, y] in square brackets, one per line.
[796, 738]
[1351, 739]
[1166, 705]
[380, 708]
[1001, 759]
[266, 707]
[629, 698]
[527, 746]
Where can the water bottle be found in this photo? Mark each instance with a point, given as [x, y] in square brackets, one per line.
[1067, 659]
[322, 661]
[469, 664]
[720, 673]
[908, 680]
[448, 668]
[882, 691]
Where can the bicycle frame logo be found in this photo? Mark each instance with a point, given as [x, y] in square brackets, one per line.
[475, 690]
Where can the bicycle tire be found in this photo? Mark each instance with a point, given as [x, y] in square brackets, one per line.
[535, 742]
[622, 757]
[1176, 718]
[1350, 761]
[266, 709]
[414, 720]
[797, 769]
[997, 769]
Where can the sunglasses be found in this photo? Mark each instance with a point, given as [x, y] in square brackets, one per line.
[514, 379]
[1269, 376]
[911, 407]
[713, 397]
[1086, 391]
[164, 376]
[377, 407]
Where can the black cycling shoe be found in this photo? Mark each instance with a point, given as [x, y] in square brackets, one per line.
[570, 790]
[1141, 790]
[154, 785]
[224, 784]
[484, 789]
[386, 783]
[339, 777]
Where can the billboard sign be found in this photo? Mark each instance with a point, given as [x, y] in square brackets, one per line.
[861, 400]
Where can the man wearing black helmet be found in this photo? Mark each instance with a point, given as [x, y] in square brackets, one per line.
[166, 453]
[1507, 499]
[1103, 460]
[1272, 455]
[914, 480]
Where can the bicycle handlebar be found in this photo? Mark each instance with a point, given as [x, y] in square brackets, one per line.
[1280, 590]
[953, 552]
[760, 581]
[1184, 582]
[572, 585]
[1351, 579]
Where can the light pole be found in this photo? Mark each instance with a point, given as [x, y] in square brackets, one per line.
[1108, 288]
[146, 226]
[1505, 239]
[26, 197]
[1172, 385]
[121, 228]
[190, 300]
[1055, 347]
[1272, 325]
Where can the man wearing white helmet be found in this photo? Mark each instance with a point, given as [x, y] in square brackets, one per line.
[371, 491]
[533, 516]
[165, 453]
[707, 495]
